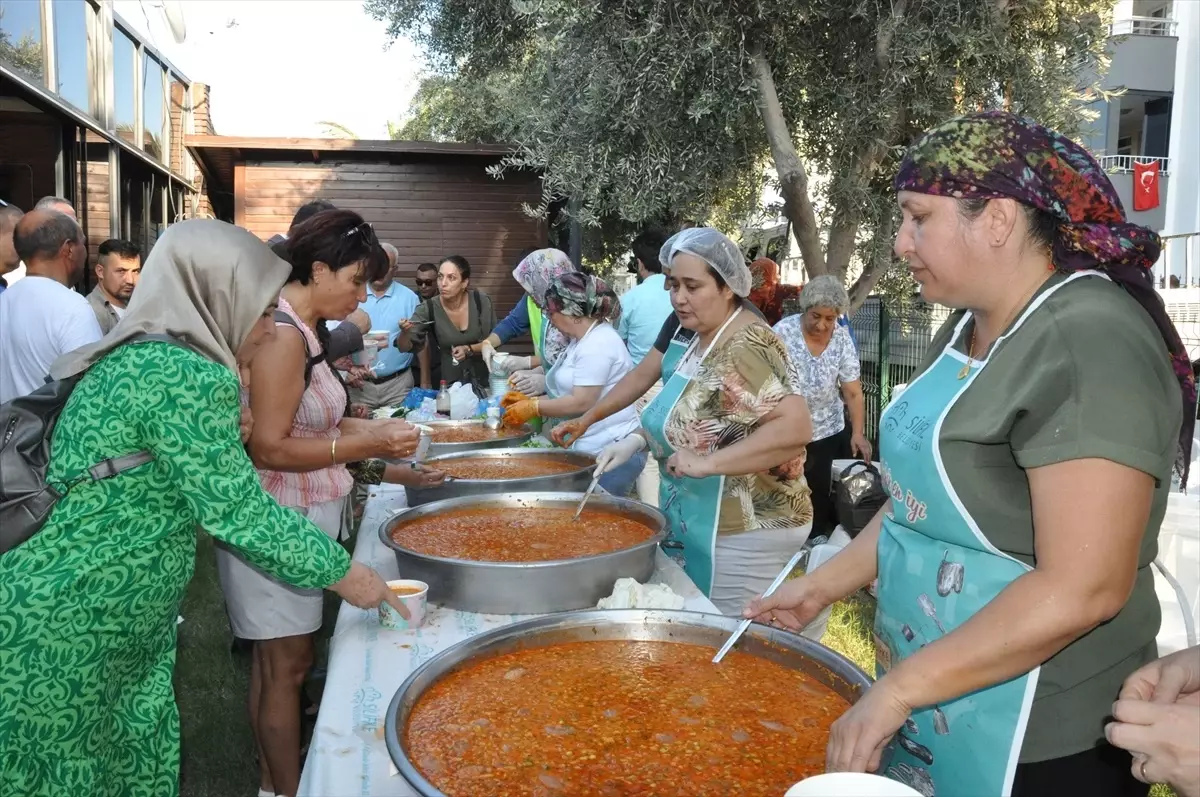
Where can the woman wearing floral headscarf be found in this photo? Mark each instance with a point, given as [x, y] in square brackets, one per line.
[1028, 464]
[534, 273]
[583, 308]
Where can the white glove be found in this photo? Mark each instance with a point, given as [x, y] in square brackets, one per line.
[511, 364]
[487, 351]
[614, 455]
[531, 383]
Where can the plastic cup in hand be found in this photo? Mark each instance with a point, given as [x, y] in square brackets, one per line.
[414, 595]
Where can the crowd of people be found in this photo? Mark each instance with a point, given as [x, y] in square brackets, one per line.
[1015, 601]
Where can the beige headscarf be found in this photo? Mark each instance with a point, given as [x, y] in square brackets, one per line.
[206, 283]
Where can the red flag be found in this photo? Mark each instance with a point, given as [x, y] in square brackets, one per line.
[1145, 185]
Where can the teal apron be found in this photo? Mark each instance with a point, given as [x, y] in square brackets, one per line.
[936, 570]
[692, 506]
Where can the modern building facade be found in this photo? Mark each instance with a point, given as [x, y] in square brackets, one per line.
[1150, 113]
[91, 112]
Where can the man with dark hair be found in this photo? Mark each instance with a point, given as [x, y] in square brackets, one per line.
[389, 379]
[117, 270]
[10, 261]
[645, 307]
[306, 212]
[57, 204]
[41, 318]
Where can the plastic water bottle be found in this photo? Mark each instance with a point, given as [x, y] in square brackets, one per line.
[493, 418]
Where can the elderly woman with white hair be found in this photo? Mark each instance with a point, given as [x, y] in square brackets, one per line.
[727, 428]
[827, 363]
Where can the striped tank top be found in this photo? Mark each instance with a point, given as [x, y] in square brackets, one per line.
[322, 408]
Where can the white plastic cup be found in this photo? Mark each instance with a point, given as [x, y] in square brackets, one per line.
[415, 602]
[850, 784]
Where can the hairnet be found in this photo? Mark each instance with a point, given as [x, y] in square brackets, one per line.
[716, 250]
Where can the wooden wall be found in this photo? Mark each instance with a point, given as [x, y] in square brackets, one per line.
[427, 210]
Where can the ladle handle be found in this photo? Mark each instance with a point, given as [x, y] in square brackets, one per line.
[744, 624]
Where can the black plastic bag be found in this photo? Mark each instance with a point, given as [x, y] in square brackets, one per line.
[858, 496]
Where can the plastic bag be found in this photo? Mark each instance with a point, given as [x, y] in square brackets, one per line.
[859, 496]
[464, 403]
[415, 396]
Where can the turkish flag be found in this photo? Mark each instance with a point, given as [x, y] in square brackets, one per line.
[1145, 185]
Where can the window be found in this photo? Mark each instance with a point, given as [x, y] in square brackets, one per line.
[153, 108]
[71, 51]
[1125, 145]
[124, 86]
[21, 38]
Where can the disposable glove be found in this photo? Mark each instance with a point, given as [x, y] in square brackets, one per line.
[614, 455]
[531, 383]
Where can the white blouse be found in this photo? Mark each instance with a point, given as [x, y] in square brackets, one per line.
[821, 377]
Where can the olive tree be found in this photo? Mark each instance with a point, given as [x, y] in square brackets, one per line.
[677, 107]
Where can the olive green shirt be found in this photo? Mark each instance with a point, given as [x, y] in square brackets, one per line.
[1087, 375]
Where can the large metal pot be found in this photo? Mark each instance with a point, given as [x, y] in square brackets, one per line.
[571, 481]
[790, 650]
[437, 449]
[527, 587]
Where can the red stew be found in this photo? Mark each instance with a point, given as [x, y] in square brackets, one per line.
[535, 534]
[471, 433]
[621, 718]
[504, 467]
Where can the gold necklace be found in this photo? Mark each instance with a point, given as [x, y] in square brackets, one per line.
[966, 369]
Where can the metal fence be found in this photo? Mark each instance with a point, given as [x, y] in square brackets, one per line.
[892, 345]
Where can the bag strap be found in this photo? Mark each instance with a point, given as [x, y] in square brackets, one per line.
[867, 466]
[283, 318]
[106, 469]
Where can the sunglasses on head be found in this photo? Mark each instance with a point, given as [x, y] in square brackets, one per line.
[365, 230]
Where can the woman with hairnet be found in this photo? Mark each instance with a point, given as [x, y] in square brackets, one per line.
[828, 365]
[727, 430]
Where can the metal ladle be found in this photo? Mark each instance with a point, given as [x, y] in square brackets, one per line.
[744, 624]
[591, 488]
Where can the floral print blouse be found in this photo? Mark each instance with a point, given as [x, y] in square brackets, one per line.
[742, 380]
[821, 377]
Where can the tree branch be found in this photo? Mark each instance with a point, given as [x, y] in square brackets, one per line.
[793, 180]
[881, 259]
[843, 230]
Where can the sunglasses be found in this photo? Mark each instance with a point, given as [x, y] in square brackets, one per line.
[365, 230]
[425, 283]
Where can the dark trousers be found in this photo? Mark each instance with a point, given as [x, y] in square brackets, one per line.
[818, 465]
[1103, 771]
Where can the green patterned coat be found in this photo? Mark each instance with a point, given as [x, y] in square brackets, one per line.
[88, 607]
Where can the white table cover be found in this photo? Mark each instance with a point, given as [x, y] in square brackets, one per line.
[367, 664]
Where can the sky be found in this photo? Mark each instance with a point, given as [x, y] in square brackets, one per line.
[280, 67]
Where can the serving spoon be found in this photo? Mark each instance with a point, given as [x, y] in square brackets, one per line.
[591, 488]
[744, 624]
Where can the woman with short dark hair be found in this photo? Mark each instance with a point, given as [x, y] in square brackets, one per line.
[459, 317]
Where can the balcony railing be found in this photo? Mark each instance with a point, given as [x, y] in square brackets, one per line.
[1142, 26]
[1123, 164]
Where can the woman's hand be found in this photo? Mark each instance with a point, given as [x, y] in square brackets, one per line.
[520, 413]
[793, 606]
[567, 432]
[394, 438]
[414, 475]
[461, 353]
[1166, 679]
[362, 587]
[360, 411]
[531, 383]
[1164, 739]
[860, 447]
[246, 424]
[406, 324]
[857, 738]
[685, 463]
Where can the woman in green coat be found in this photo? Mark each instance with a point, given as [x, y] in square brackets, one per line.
[88, 606]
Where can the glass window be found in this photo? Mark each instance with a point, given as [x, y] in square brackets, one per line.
[154, 108]
[71, 51]
[124, 85]
[181, 125]
[21, 38]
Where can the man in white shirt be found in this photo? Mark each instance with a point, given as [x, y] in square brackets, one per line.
[41, 318]
[117, 270]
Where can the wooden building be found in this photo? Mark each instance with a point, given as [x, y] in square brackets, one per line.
[428, 199]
